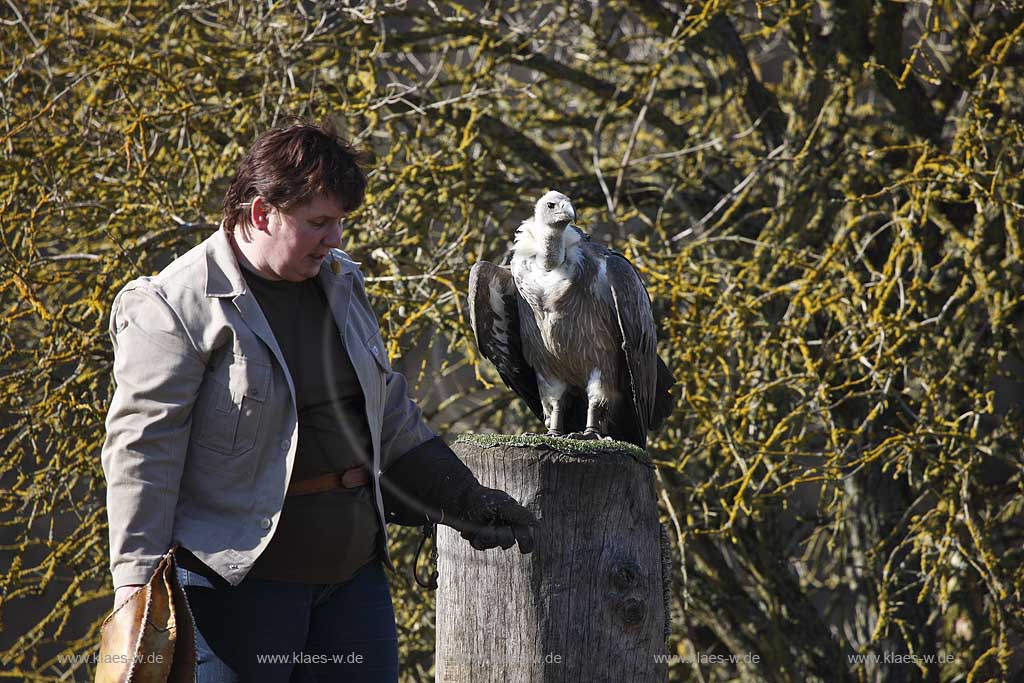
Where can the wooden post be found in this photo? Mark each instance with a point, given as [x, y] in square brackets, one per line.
[589, 603]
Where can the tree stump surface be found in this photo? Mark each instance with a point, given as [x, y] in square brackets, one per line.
[588, 603]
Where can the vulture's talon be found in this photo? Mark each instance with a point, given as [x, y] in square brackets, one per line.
[583, 436]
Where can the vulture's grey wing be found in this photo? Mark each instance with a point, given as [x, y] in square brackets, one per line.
[494, 314]
[583, 235]
[639, 336]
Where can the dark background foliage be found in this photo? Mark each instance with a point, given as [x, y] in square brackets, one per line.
[824, 198]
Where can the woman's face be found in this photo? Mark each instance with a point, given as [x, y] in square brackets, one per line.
[291, 245]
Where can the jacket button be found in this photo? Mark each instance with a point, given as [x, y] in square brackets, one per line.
[265, 523]
[285, 444]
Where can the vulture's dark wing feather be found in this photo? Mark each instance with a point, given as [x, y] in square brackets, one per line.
[664, 400]
[494, 314]
[639, 336]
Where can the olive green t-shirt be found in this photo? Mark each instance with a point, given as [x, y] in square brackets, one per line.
[321, 537]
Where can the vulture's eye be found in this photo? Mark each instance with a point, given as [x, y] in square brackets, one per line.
[551, 205]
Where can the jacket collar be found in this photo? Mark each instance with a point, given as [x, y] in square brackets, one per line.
[224, 275]
[338, 264]
[336, 276]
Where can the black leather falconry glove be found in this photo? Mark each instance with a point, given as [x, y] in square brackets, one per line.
[430, 484]
[491, 518]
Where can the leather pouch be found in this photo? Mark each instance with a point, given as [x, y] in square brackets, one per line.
[150, 637]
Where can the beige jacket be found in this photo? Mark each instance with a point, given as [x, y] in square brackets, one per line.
[202, 428]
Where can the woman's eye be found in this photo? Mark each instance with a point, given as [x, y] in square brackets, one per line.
[323, 224]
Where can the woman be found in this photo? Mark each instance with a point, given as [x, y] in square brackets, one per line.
[258, 424]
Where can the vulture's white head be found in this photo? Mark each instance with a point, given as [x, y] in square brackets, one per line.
[555, 210]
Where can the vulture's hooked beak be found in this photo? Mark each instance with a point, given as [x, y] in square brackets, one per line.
[566, 212]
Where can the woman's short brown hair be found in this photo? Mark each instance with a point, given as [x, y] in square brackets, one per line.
[291, 166]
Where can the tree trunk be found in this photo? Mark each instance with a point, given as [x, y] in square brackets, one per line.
[588, 603]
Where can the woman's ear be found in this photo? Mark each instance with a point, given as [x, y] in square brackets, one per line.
[259, 213]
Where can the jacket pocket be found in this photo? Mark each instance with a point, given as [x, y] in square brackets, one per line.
[230, 405]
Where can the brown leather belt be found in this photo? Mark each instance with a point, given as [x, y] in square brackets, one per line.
[349, 479]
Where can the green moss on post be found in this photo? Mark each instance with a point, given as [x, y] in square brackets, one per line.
[558, 445]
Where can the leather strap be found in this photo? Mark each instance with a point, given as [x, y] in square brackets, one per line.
[349, 479]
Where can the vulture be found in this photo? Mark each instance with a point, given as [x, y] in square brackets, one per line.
[570, 329]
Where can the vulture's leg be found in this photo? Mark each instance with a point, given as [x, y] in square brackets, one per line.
[552, 398]
[597, 409]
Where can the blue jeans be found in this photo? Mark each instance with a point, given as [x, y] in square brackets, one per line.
[279, 632]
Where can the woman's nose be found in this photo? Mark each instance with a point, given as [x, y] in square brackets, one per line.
[333, 237]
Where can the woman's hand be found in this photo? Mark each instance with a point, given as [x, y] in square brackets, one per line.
[493, 518]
